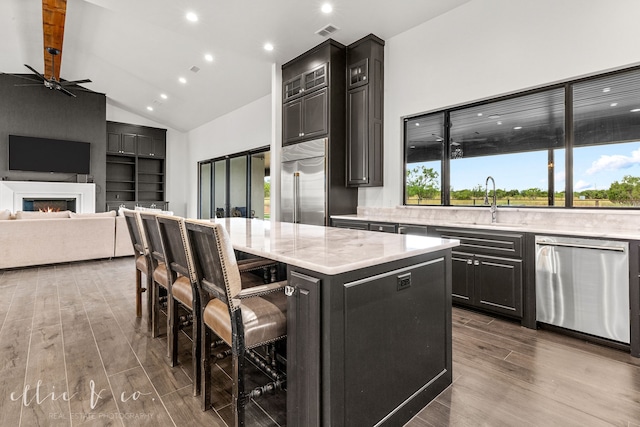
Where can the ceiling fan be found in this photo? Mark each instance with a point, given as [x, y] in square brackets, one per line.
[52, 83]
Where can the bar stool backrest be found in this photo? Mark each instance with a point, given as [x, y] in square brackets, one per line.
[173, 235]
[152, 234]
[214, 259]
[132, 218]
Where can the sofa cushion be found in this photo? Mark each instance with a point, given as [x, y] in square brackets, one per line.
[5, 214]
[41, 215]
[110, 214]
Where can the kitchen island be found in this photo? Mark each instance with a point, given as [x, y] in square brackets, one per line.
[369, 319]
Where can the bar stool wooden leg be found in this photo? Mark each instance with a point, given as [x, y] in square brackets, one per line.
[138, 293]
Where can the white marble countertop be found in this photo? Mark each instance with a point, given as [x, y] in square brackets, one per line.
[596, 224]
[327, 250]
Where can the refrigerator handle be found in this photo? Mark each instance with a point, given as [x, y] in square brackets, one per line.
[296, 196]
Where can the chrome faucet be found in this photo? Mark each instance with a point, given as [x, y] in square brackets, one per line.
[494, 208]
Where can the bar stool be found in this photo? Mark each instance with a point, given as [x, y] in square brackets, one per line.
[244, 318]
[158, 269]
[143, 261]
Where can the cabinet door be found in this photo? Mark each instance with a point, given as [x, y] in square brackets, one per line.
[292, 121]
[159, 147]
[498, 284]
[314, 115]
[145, 145]
[462, 277]
[358, 73]
[128, 144]
[357, 149]
[113, 142]
[303, 350]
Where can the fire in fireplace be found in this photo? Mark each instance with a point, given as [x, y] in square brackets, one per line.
[49, 204]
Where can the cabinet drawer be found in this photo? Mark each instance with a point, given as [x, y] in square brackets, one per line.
[485, 242]
[355, 225]
[385, 228]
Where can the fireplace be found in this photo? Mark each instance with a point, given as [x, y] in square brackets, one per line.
[17, 195]
[49, 204]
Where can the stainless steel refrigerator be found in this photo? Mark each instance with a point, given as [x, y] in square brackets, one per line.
[303, 184]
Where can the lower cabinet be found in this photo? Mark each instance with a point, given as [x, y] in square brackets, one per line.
[487, 282]
[487, 270]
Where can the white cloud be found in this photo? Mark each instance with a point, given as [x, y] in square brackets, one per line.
[615, 162]
[582, 185]
[559, 177]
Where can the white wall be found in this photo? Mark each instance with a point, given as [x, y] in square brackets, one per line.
[493, 47]
[246, 128]
[176, 160]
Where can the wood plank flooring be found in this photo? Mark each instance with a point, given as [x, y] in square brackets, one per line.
[72, 353]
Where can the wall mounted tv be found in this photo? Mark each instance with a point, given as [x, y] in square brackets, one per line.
[48, 155]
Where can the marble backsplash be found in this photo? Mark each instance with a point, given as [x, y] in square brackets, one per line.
[586, 219]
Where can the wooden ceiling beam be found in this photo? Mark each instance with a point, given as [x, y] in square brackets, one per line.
[53, 18]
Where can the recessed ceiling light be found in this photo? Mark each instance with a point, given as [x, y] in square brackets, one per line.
[479, 114]
[412, 146]
[499, 123]
[208, 57]
[517, 128]
[192, 17]
[182, 80]
[417, 124]
[163, 95]
[327, 8]
[268, 47]
[635, 110]
[606, 89]
[150, 108]
[613, 104]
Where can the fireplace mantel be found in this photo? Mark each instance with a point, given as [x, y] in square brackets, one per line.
[12, 193]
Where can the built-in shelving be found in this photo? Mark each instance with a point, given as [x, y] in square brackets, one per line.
[135, 176]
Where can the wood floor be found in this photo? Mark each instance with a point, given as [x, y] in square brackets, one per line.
[73, 353]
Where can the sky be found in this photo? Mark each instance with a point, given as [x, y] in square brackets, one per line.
[595, 167]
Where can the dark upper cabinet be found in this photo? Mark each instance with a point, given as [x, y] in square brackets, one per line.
[357, 136]
[151, 146]
[305, 118]
[365, 84]
[121, 143]
[358, 73]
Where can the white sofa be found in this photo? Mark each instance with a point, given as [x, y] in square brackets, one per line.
[48, 238]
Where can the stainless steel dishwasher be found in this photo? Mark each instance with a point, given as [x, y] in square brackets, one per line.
[583, 285]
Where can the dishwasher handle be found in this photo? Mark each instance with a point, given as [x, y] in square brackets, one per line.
[579, 246]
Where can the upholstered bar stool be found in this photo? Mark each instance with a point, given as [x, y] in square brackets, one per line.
[158, 269]
[182, 281]
[243, 317]
[143, 261]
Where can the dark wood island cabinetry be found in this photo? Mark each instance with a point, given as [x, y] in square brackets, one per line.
[342, 302]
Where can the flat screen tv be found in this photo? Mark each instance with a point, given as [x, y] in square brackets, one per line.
[48, 155]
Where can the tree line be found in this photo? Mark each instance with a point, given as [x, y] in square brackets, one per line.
[423, 183]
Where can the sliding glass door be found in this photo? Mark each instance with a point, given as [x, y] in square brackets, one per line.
[235, 186]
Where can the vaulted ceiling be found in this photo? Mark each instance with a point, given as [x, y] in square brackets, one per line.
[135, 51]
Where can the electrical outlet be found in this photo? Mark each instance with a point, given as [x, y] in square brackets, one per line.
[404, 281]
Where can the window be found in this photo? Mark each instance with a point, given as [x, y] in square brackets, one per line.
[521, 142]
[518, 142]
[606, 154]
[423, 160]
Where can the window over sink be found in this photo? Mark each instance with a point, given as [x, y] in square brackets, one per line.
[579, 138]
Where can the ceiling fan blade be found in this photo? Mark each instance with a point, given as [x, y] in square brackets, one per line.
[35, 72]
[74, 82]
[66, 92]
